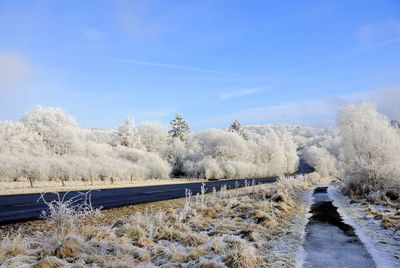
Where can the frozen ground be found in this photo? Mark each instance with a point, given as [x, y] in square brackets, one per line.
[340, 234]
[382, 244]
[330, 242]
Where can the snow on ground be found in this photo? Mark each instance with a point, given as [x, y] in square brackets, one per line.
[382, 244]
[329, 241]
[285, 252]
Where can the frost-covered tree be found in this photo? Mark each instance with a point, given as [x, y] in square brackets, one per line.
[179, 128]
[174, 153]
[371, 149]
[127, 134]
[320, 159]
[16, 138]
[224, 154]
[58, 131]
[237, 127]
[153, 137]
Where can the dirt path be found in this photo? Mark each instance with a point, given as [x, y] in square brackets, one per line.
[330, 242]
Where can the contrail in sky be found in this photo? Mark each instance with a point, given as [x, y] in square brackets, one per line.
[188, 68]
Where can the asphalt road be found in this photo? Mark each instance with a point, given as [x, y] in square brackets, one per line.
[19, 208]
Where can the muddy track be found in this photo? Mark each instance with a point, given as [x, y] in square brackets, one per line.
[329, 241]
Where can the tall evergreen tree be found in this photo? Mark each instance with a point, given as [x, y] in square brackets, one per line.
[237, 127]
[179, 128]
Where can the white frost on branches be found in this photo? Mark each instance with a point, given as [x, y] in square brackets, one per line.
[48, 146]
[371, 149]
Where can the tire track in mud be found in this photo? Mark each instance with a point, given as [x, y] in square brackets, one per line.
[329, 241]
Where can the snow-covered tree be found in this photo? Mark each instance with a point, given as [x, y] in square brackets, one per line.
[224, 154]
[16, 138]
[370, 148]
[237, 127]
[127, 134]
[179, 128]
[320, 159]
[58, 131]
[153, 137]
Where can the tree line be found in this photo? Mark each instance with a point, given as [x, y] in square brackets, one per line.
[48, 146]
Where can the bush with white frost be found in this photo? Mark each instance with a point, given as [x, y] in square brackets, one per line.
[223, 154]
[320, 159]
[371, 149]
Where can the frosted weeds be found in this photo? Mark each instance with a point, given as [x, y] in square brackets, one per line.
[67, 214]
[221, 229]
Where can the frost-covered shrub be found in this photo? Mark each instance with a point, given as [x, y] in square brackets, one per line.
[371, 149]
[67, 214]
[222, 144]
[223, 154]
[152, 164]
[320, 159]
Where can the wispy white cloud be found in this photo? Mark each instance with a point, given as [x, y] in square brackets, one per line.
[14, 69]
[370, 34]
[145, 19]
[239, 93]
[92, 34]
[317, 112]
[378, 45]
[308, 14]
[373, 37]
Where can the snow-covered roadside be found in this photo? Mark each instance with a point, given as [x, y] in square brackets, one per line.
[383, 245]
[300, 253]
[7, 188]
[288, 251]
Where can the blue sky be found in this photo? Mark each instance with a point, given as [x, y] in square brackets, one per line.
[213, 61]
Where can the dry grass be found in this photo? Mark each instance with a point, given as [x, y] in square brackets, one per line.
[379, 206]
[221, 229]
[49, 262]
[14, 245]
